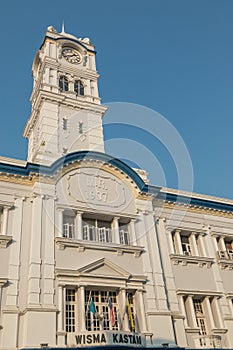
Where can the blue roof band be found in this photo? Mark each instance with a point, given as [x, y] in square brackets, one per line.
[85, 155]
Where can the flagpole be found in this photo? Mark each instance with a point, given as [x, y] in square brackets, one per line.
[88, 303]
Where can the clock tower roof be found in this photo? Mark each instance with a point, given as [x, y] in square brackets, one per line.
[51, 33]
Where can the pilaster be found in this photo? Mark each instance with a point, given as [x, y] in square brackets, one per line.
[49, 259]
[34, 275]
[14, 261]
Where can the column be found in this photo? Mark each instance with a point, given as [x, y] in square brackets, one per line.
[177, 242]
[170, 242]
[79, 226]
[124, 326]
[116, 233]
[230, 304]
[71, 85]
[61, 333]
[60, 222]
[193, 243]
[202, 245]
[206, 303]
[141, 313]
[81, 309]
[191, 312]
[133, 239]
[5, 220]
[182, 309]
[217, 312]
[222, 244]
[61, 313]
[215, 243]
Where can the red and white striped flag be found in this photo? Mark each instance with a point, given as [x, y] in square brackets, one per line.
[112, 313]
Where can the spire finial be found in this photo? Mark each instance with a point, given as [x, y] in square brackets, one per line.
[63, 27]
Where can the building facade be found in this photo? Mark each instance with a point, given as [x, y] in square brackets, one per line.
[91, 254]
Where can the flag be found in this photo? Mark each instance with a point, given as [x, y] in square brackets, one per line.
[130, 315]
[92, 307]
[112, 313]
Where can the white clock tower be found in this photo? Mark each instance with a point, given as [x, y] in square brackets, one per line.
[66, 108]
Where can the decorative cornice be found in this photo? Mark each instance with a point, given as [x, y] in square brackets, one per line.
[225, 263]
[208, 293]
[192, 200]
[158, 313]
[5, 241]
[81, 246]
[3, 282]
[39, 308]
[63, 99]
[188, 259]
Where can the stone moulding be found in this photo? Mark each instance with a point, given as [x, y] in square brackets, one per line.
[5, 241]
[81, 246]
[179, 259]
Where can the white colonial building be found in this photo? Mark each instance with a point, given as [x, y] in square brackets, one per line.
[91, 254]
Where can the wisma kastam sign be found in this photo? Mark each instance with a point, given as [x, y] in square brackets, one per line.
[110, 338]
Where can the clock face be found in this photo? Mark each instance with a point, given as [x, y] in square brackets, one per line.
[71, 55]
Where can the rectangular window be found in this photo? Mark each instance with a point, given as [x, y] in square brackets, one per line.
[101, 320]
[131, 313]
[68, 226]
[124, 237]
[70, 310]
[124, 234]
[186, 246]
[64, 124]
[188, 243]
[225, 246]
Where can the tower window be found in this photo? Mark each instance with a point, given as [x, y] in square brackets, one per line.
[80, 128]
[64, 124]
[79, 88]
[63, 83]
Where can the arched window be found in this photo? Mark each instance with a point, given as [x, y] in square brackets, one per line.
[63, 83]
[79, 88]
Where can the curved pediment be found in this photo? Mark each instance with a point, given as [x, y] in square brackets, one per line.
[96, 185]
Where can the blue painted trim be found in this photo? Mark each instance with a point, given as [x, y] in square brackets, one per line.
[75, 156]
[195, 201]
[82, 155]
[67, 39]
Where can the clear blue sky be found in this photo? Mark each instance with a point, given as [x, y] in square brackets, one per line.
[174, 56]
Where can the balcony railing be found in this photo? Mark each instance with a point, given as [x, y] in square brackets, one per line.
[225, 254]
[208, 341]
[96, 234]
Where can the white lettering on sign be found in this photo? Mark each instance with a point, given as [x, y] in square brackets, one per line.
[110, 338]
